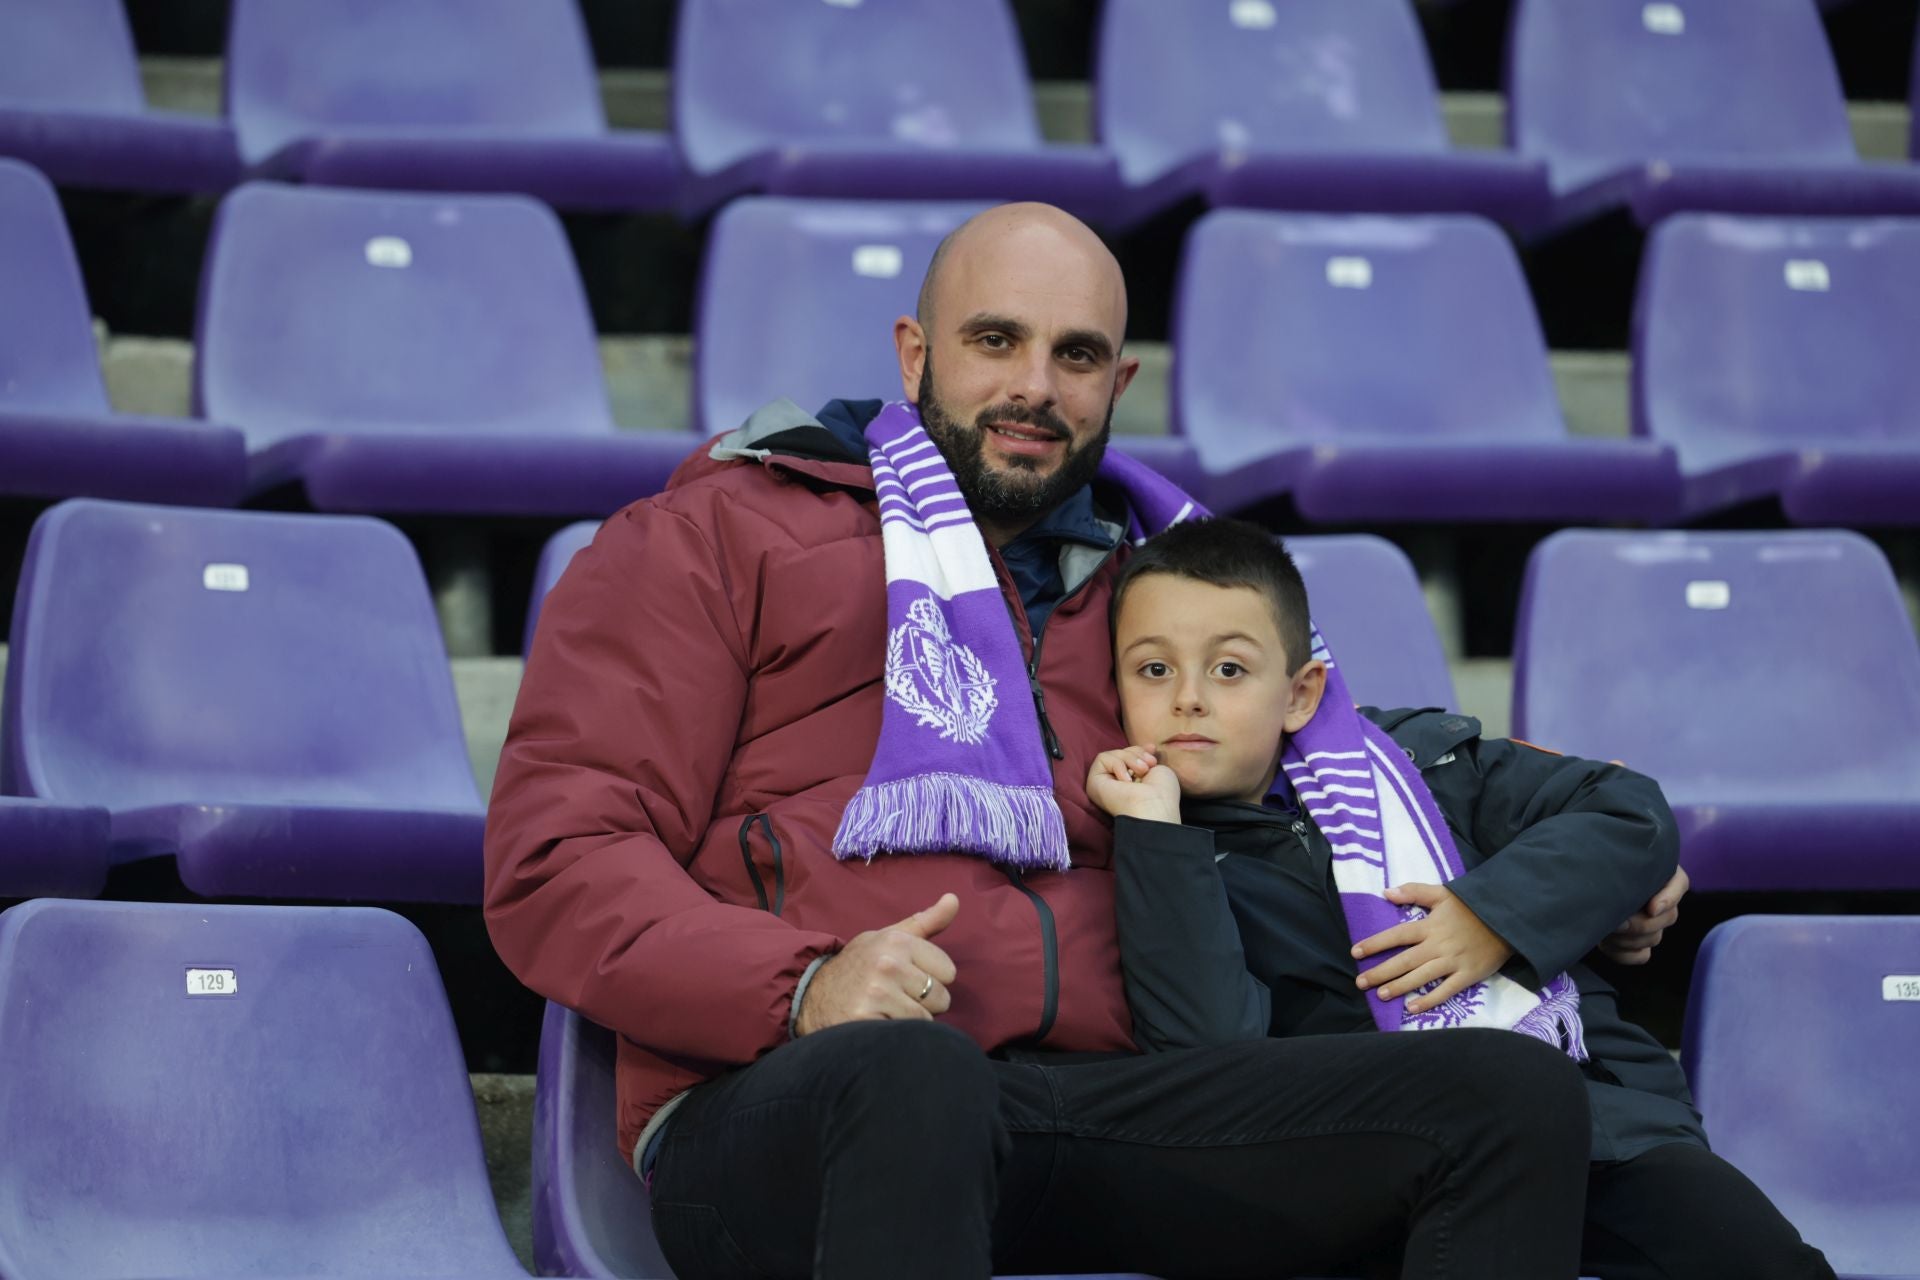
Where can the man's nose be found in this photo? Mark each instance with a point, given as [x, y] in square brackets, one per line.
[1033, 385]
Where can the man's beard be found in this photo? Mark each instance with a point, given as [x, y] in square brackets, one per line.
[1021, 490]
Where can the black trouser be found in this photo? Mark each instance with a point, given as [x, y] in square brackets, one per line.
[897, 1149]
[1680, 1212]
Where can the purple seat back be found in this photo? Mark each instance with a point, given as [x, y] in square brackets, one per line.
[1177, 81]
[1757, 335]
[798, 300]
[1593, 88]
[76, 55]
[306, 68]
[1800, 1041]
[1295, 330]
[751, 75]
[48, 360]
[164, 655]
[1369, 608]
[359, 312]
[315, 1119]
[554, 559]
[1733, 667]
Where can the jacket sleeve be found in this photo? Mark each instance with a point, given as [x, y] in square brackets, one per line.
[1574, 847]
[619, 741]
[1180, 955]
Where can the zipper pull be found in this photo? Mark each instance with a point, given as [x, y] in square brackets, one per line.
[1300, 832]
[1040, 706]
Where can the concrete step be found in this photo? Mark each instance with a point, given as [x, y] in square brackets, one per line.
[636, 99]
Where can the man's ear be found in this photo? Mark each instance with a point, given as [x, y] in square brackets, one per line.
[910, 344]
[1303, 698]
[1123, 375]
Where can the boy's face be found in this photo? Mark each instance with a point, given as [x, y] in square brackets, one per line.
[1204, 682]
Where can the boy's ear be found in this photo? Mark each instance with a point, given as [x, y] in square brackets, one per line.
[1303, 699]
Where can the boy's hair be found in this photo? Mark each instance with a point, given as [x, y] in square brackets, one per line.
[1229, 553]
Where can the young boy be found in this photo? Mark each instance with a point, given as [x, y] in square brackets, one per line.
[1286, 867]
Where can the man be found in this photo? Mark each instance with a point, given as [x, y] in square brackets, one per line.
[801, 1072]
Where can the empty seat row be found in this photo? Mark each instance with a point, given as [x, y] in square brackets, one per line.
[396, 353]
[1301, 104]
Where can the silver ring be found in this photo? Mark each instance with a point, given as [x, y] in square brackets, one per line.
[926, 990]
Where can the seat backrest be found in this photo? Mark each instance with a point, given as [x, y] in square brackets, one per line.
[201, 1090]
[555, 556]
[798, 300]
[590, 1215]
[1598, 86]
[1800, 1041]
[365, 312]
[1295, 329]
[1731, 666]
[1757, 334]
[750, 75]
[305, 68]
[1202, 77]
[76, 55]
[49, 362]
[164, 655]
[1369, 608]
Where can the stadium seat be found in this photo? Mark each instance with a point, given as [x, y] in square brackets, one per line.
[58, 434]
[435, 95]
[590, 1213]
[51, 850]
[414, 353]
[1769, 681]
[1776, 357]
[1800, 1040]
[910, 99]
[1376, 368]
[1307, 105]
[555, 556]
[798, 299]
[71, 104]
[1728, 106]
[265, 697]
[1370, 611]
[229, 1091]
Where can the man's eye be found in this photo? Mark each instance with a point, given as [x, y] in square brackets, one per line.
[1077, 355]
[995, 341]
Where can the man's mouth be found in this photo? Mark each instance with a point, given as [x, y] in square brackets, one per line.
[1022, 439]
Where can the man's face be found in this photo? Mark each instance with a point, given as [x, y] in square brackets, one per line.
[1027, 315]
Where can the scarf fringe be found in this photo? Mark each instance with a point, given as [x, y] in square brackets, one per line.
[1556, 1019]
[1012, 826]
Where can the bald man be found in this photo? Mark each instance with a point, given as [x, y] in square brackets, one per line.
[923, 1065]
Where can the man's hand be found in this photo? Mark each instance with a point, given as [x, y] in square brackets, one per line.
[1132, 783]
[1633, 942]
[893, 972]
[1448, 943]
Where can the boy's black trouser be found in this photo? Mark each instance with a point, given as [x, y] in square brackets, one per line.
[897, 1149]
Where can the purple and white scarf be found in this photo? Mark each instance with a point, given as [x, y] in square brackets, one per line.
[960, 766]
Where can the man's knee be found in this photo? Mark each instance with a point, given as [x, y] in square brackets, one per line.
[913, 1072]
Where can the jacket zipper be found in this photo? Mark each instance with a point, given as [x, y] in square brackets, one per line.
[1049, 951]
[753, 870]
[1033, 664]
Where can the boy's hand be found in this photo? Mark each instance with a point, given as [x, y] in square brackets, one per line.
[1449, 943]
[1132, 783]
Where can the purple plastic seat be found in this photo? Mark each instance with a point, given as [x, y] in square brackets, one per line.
[1776, 357]
[1322, 105]
[1377, 368]
[435, 95]
[1800, 1041]
[265, 697]
[1728, 106]
[798, 300]
[58, 434]
[71, 103]
[51, 850]
[198, 1090]
[414, 353]
[908, 99]
[1369, 608]
[590, 1212]
[1769, 681]
[555, 556]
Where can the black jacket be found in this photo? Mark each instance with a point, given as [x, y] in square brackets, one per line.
[1231, 928]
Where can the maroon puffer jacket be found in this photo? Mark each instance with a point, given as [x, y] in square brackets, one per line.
[702, 699]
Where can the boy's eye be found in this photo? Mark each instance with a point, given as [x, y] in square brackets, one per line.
[1154, 670]
[1230, 670]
